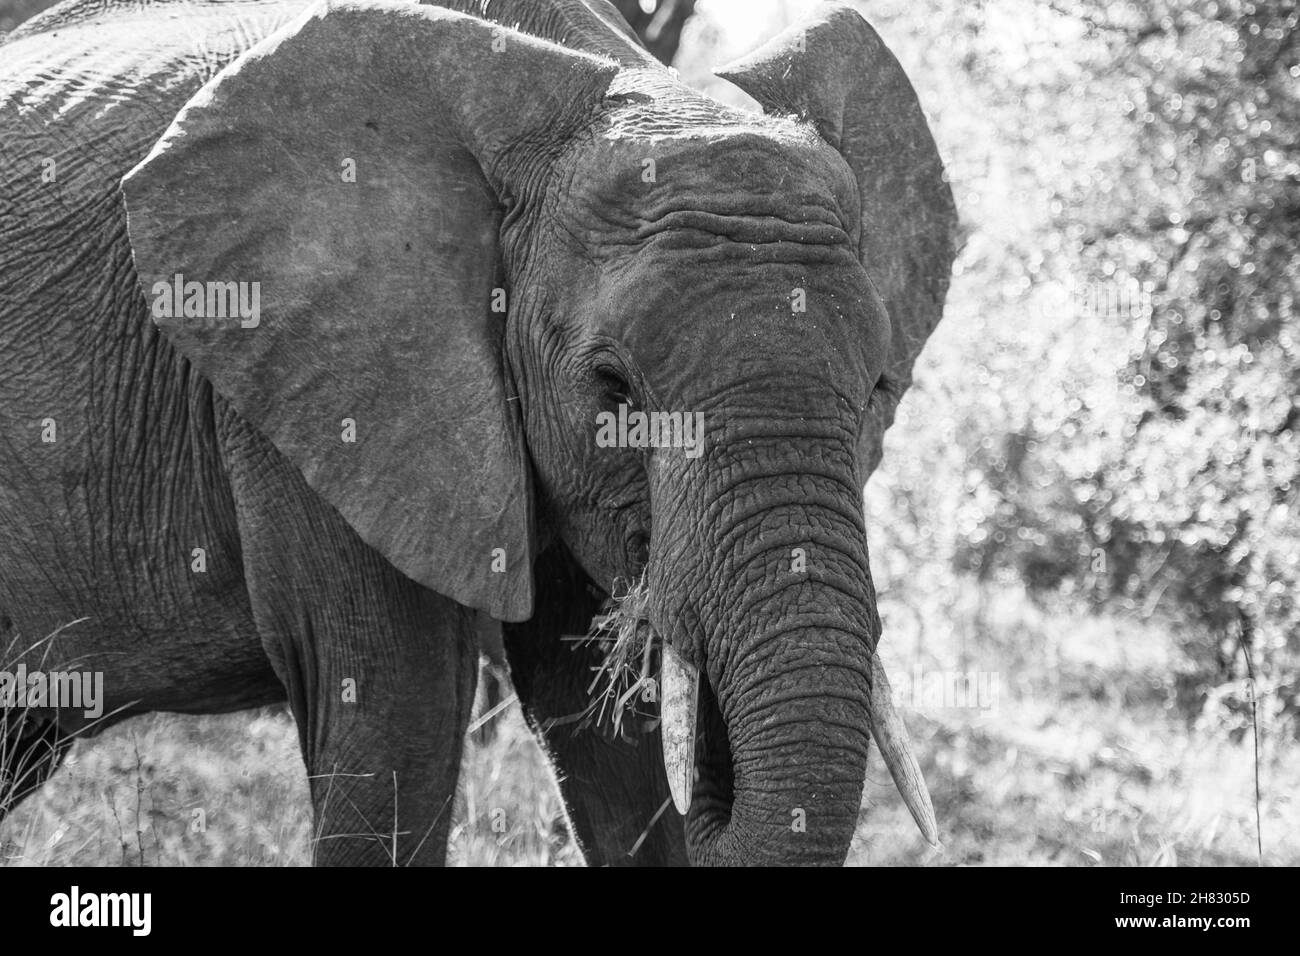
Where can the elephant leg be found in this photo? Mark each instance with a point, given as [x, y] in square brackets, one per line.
[379, 671]
[615, 788]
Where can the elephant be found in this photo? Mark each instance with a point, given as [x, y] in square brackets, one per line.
[313, 317]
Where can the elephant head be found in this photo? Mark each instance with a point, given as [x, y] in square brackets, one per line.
[476, 248]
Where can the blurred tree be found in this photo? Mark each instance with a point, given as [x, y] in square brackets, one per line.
[1153, 463]
[658, 23]
[1206, 213]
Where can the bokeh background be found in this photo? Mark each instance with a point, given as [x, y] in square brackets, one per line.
[1090, 500]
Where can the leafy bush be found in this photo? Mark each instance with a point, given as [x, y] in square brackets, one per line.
[1110, 410]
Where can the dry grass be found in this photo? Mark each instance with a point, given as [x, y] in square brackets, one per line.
[169, 790]
[625, 676]
[1083, 762]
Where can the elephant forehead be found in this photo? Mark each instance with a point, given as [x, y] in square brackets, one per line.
[774, 171]
[681, 288]
[689, 317]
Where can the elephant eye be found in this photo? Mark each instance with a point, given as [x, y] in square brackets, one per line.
[613, 386]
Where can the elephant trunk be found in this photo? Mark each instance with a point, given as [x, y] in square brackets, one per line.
[766, 588]
[797, 758]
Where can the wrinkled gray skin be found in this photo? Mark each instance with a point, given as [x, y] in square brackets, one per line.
[485, 158]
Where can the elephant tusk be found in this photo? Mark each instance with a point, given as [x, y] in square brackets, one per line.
[896, 748]
[679, 697]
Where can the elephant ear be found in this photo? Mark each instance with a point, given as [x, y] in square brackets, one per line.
[834, 71]
[350, 174]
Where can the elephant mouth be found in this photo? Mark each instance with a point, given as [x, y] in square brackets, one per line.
[698, 759]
